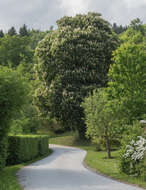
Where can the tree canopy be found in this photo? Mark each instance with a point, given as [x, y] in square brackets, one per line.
[73, 60]
[13, 50]
[128, 73]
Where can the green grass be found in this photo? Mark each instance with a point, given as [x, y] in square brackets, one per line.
[8, 179]
[98, 160]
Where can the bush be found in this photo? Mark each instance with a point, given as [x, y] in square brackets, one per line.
[23, 148]
[132, 159]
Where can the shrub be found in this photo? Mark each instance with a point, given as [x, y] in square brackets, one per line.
[132, 159]
[23, 148]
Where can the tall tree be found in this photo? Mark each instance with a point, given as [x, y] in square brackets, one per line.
[12, 31]
[73, 60]
[1, 33]
[128, 74]
[23, 31]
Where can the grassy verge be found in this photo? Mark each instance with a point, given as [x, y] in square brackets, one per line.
[8, 180]
[98, 160]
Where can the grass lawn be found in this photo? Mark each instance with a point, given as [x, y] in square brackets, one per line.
[8, 180]
[98, 160]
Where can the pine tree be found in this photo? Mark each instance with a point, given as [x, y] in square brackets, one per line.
[12, 31]
[1, 33]
[23, 31]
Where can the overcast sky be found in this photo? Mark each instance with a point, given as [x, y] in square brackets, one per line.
[41, 14]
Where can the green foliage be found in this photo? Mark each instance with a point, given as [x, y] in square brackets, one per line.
[128, 165]
[119, 29]
[136, 25]
[131, 132]
[27, 121]
[132, 157]
[12, 31]
[100, 119]
[127, 80]
[35, 37]
[14, 50]
[136, 32]
[73, 60]
[24, 148]
[23, 31]
[13, 94]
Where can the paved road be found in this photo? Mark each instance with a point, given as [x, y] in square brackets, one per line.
[63, 170]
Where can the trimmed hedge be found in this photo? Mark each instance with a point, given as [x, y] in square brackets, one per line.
[3, 150]
[24, 148]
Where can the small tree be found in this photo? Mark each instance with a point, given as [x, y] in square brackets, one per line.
[100, 118]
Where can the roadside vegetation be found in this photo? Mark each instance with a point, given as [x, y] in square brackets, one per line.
[86, 76]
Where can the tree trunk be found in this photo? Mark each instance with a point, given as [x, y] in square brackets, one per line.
[82, 131]
[107, 142]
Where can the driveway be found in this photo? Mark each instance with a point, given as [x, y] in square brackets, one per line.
[63, 170]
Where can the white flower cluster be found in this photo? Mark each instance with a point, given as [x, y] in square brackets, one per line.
[136, 149]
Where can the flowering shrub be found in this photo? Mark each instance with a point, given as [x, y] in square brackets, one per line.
[132, 159]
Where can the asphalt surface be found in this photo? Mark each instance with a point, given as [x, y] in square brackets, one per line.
[64, 170]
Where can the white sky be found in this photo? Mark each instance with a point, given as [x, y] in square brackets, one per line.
[41, 14]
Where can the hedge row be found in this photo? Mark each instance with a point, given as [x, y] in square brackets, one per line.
[3, 150]
[23, 148]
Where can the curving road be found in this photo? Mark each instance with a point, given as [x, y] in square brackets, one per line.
[63, 170]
